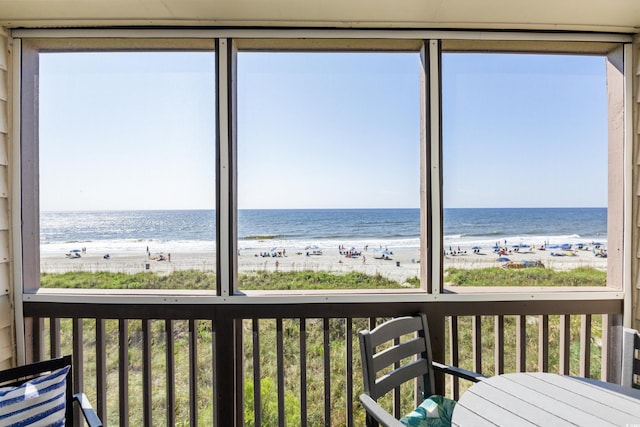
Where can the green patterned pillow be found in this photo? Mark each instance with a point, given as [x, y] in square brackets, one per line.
[440, 409]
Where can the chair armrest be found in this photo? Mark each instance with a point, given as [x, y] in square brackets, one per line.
[87, 410]
[378, 413]
[458, 372]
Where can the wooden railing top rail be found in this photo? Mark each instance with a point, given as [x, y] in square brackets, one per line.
[320, 310]
[186, 297]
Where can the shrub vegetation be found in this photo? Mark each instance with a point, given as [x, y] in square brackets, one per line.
[315, 335]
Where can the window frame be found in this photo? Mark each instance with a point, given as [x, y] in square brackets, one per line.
[619, 142]
[226, 44]
[29, 143]
[277, 45]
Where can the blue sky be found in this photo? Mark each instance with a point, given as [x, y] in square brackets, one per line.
[325, 130]
[115, 133]
[524, 130]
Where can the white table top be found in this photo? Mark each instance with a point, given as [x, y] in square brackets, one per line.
[545, 399]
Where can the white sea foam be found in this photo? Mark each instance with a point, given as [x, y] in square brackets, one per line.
[199, 246]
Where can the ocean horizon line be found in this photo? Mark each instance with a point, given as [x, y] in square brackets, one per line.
[316, 209]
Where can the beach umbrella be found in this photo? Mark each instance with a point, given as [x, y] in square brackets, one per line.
[503, 259]
[496, 247]
[75, 250]
[476, 247]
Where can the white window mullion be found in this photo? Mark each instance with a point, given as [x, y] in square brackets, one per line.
[435, 174]
[224, 215]
[430, 189]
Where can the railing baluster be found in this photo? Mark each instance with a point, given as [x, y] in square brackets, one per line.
[476, 342]
[498, 349]
[36, 339]
[608, 322]
[303, 372]
[101, 370]
[193, 373]
[78, 363]
[327, 372]
[257, 401]
[395, 393]
[454, 355]
[123, 377]
[565, 342]
[348, 331]
[585, 345]
[238, 330]
[170, 373]
[521, 343]
[147, 414]
[280, 371]
[543, 343]
[54, 337]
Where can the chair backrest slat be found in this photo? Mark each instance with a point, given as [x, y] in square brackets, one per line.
[395, 328]
[401, 351]
[400, 376]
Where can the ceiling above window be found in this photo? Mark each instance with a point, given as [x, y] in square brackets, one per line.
[571, 15]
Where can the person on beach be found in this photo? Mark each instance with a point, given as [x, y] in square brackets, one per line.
[364, 260]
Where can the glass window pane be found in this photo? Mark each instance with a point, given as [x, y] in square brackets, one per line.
[328, 168]
[525, 163]
[127, 162]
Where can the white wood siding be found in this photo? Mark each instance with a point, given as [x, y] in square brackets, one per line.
[7, 347]
[635, 242]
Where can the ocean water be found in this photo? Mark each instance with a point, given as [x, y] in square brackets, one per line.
[194, 230]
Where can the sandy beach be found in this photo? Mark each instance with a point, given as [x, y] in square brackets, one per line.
[403, 263]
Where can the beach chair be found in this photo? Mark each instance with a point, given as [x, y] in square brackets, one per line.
[630, 358]
[41, 394]
[406, 356]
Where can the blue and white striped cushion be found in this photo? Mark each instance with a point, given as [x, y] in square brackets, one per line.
[39, 402]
